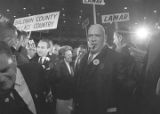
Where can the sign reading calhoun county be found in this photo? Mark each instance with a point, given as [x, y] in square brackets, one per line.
[117, 17]
[44, 21]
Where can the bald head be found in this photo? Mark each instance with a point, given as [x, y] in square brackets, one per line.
[96, 38]
[97, 28]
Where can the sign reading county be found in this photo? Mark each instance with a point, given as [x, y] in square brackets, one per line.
[117, 17]
[97, 2]
[38, 22]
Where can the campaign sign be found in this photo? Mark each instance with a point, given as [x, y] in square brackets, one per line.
[97, 2]
[117, 17]
[38, 22]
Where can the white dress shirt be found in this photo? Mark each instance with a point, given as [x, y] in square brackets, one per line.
[68, 66]
[94, 55]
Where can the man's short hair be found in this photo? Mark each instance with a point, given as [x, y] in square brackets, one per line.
[47, 41]
[125, 36]
[5, 49]
[83, 46]
[64, 49]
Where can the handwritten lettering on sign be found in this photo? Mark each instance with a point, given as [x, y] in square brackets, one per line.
[97, 2]
[38, 22]
[118, 17]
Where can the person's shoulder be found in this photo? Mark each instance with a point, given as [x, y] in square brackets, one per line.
[32, 66]
[59, 63]
[113, 54]
[110, 51]
[32, 69]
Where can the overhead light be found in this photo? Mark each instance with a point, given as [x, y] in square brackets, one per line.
[157, 25]
[142, 32]
[80, 16]
[29, 14]
[125, 8]
[8, 10]
[154, 11]
[24, 8]
[14, 16]
[64, 15]
[62, 8]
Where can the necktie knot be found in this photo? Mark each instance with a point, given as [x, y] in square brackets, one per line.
[90, 58]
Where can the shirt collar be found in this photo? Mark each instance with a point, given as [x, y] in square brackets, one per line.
[29, 57]
[66, 61]
[94, 55]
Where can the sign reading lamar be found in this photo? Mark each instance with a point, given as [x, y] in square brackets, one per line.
[97, 2]
[117, 17]
[38, 22]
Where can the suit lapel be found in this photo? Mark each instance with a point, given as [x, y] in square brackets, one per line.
[83, 67]
[84, 63]
[66, 68]
[89, 71]
[14, 105]
[97, 62]
[28, 82]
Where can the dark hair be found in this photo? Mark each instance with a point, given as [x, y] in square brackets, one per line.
[83, 46]
[47, 41]
[22, 33]
[4, 48]
[7, 30]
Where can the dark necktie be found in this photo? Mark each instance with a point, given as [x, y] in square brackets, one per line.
[90, 58]
[40, 60]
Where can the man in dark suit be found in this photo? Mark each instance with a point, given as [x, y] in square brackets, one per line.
[99, 77]
[64, 83]
[80, 52]
[22, 90]
[46, 61]
[9, 34]
[44, 58]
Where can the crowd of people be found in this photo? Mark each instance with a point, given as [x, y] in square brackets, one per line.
[46, 78]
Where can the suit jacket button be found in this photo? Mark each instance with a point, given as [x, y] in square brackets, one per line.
[36, 96]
